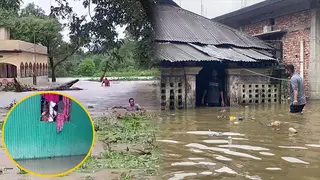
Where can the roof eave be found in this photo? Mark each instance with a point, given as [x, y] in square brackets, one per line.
[253, 7]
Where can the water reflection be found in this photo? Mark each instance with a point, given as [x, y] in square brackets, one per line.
[55, 165]
[256, 151]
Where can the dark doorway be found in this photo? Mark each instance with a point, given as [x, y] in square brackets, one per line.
[204, 77]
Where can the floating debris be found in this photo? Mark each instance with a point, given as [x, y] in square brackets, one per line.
[232, 118]
[292, 130]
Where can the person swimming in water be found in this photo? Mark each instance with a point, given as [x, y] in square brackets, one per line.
[131, 107]
[106, 82]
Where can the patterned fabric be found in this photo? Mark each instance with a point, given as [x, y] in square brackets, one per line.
[65, 115]
[67, 108]
[60, 122]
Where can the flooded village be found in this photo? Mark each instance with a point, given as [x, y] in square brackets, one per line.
[250, 134]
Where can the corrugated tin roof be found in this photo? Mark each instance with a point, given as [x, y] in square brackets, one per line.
[224, 53]
[175, 52]
[179, 25]
[253, 54]
[180, 52]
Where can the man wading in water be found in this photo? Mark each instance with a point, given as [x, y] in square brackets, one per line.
[213, 92]
[132, 107]
[297, 96]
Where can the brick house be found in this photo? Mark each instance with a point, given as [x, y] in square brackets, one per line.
[294, 25]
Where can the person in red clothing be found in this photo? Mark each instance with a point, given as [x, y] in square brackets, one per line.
[106, 82]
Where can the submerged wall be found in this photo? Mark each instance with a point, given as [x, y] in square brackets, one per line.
[178, 87]
[249, 87]
[26, 137]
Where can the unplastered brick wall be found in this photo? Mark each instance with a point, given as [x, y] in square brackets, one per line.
[256, 28]
[298, 27]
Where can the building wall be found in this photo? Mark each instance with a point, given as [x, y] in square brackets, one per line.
[22, 61]
[314, 69]
[178, 87]
[10, 45]
[28, 137]
[244, 87]
[298, 27]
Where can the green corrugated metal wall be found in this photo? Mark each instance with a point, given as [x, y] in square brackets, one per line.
[26, 137]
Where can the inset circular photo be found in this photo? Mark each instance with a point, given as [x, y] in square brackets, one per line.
[48, 134]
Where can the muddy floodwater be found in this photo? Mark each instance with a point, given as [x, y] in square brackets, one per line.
[205, 144]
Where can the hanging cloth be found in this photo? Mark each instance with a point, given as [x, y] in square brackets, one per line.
[51, 97]
[63, 113]
[67, 109]
[52, 112]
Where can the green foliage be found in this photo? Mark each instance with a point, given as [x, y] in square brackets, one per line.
[114, 159]
[134, 129]
[86, 67]
[32, 10]
[135, 15]
[12, 5]
[125, 176]
[130, 129]
[98, 34]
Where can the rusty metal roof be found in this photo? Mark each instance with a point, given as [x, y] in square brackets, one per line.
[175, 24]
[177, 52]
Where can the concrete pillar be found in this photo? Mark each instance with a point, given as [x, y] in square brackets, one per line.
[314, 64]
[232, 86]
[191, 74]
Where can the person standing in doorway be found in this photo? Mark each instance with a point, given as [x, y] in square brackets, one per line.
[297, 94]
[213, 92]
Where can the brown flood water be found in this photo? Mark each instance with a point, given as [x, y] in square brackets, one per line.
[247, 149]
[256, 151]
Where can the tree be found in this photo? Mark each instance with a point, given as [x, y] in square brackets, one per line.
[34, 26]
[10, 5]
[114, 57]
[32, 10]
[136, 15]
[86, 67]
